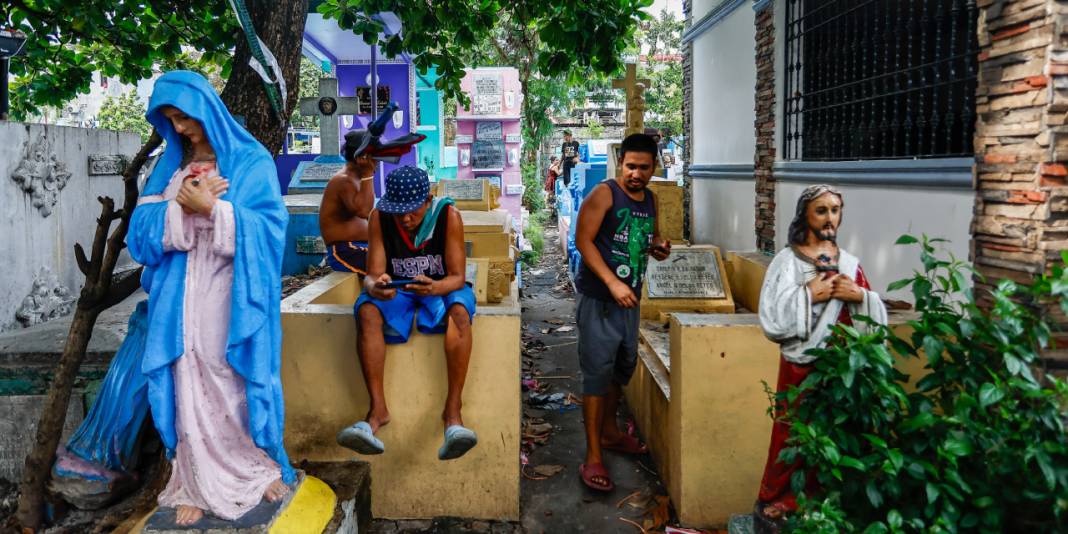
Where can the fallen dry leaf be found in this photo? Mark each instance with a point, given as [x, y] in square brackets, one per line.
[548, 470]
[661, 513]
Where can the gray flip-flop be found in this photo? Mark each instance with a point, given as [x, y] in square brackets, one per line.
[458, 440]
[360, 438]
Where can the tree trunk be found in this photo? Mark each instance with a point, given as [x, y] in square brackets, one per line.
[97, 294]
[280, 24]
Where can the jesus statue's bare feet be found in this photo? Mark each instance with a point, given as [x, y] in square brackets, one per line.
[276, 491]
[187, 515]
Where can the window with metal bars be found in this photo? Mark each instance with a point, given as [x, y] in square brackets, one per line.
[879, 79]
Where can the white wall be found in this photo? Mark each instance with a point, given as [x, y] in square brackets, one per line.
[722, 210]
[700, 8]
[874, 217]
[31, 241]
[724, 76]
[723, 213]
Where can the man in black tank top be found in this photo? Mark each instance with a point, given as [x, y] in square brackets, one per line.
[617, 231]
[417, 238]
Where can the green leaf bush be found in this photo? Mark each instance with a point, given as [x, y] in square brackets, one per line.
[977, 444]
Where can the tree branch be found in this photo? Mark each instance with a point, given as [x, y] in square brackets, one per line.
[97, 294]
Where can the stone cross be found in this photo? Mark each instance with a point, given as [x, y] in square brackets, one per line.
[329, 107]
[635, 102]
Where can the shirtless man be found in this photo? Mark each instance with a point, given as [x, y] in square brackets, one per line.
[347, 202]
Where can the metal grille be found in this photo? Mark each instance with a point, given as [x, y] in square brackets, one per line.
[879, 79]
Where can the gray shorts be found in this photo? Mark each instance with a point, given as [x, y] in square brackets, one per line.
[607, 343]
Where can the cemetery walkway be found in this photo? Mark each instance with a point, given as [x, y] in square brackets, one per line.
[553, 498]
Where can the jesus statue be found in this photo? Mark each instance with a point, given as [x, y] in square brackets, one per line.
[811, 285]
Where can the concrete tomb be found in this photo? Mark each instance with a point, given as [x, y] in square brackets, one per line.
[491, 236]
[325, 392]
[698, 395]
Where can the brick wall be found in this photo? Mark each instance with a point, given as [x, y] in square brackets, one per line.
[687, 121]
[765, 129]
[1020, 223]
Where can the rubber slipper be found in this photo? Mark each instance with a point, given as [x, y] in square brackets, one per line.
[458, 440]
[360, 438]
[627, 444]
[589, 472]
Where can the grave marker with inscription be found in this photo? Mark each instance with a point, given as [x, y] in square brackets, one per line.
[487, 155]
[691, 279]
[476, 194]
[465, 189]
[364, 96]
[686, 274]
[488, 96]
[489, 131]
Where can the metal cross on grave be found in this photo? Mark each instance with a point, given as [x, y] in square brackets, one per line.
[635, 104]
[329, 107]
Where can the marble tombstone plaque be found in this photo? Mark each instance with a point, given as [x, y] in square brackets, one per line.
[489, 131]
[686, 274]
[464, 189]
[487, 155]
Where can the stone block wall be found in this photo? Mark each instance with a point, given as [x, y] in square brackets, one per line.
[765, 129]
[1020, 223]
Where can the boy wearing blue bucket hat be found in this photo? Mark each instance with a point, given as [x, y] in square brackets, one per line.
[415, 271]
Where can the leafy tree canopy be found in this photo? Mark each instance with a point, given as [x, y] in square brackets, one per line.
[572, 36]
[125, 113]
[68, 41]
[659, 38]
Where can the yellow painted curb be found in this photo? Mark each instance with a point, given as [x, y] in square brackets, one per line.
[310, 510]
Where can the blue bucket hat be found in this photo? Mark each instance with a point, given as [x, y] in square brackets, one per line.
[407, 188]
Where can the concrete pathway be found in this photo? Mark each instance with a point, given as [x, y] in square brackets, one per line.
[562, 503]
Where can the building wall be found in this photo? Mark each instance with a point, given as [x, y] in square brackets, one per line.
[724, 205]
[398, 76]
[702, 7]
[32, 241]
[723, 76]
[721, 209]
[722, 213]
[1021, 146]
[431, 123]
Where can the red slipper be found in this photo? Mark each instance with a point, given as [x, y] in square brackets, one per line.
[589, 472]
[627, 445]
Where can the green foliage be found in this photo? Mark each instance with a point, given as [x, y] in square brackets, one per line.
[533, 194]
[570, 36]
[69, 41]
[663, 36]
[594, 128]
[124, 114]
[535, 234]
[542, 97]
[978, 443]
[310, 73]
